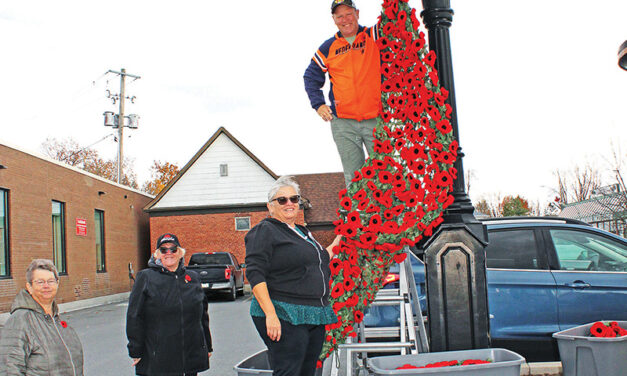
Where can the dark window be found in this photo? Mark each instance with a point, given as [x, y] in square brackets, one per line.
[580, 250]
[100, 240]
[512, 249]
[58, 236]
[4, 233]
[242, 223]
[224, 170]
[210, 259]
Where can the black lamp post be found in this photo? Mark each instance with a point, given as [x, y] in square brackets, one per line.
[455, 255]
[622, 55]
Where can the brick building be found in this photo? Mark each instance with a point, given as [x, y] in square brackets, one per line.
[90, 227]
[222, 192]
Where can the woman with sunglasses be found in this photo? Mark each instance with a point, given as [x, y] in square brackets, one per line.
[289, 273]
[34, 340]
[167, 322]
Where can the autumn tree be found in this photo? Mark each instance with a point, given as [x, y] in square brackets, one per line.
[70, 152]
[490, 205]
[514, 206]
[161, 173]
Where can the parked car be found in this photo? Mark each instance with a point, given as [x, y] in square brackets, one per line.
[544, 275]
[219, 272]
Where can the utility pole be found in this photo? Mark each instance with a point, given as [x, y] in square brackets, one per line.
[120, 117]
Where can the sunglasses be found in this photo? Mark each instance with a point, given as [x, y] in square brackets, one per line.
[283, 200]
[165, 250]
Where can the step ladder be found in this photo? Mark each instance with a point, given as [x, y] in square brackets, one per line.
[351, 357]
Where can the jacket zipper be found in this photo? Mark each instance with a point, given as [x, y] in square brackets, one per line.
[182, 321]
[64, 345]
[305, 237]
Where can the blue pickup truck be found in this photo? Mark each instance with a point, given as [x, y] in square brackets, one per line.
[544, 275]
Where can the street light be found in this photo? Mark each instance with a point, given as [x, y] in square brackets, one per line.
[622, 55]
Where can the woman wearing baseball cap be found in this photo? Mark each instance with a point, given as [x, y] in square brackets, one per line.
[167, 322]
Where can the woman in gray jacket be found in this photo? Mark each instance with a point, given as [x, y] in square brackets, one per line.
[34, 340]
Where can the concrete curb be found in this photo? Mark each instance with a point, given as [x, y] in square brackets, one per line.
[541, 369]
[81, 304]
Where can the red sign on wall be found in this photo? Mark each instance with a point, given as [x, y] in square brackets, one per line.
[81, 227]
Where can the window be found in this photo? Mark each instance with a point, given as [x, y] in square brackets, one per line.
[58, 236]
[4, 233]
[513, 249]
[242, 223]
[100, 240]
[579, 250]
[224, 170]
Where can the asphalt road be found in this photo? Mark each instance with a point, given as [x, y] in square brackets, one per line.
[102, 332]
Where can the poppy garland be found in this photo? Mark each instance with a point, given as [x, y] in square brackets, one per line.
[398, 196]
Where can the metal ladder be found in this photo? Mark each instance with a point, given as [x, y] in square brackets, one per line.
[351, 357]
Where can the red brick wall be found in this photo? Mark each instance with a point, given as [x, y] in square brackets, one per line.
[33, 183]
[207, 232]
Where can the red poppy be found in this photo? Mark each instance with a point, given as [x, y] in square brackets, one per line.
[352, 300]
[353, 219]
[400, 258]
[357, 177]
[378, 164]
[368, 172]
[349, 284]
[389, 13]
[337, 306]
[373, 209]
[360, 194]
[429, 58]
[387, 56]
[346, 203]
[386, 70]
[444, 126]
[383, 43]
[374, 223]
[385, 177]
[442, 178]
[63, 324]
[388, 214]
[363, 204]
[386, 116]
[359, 316]
[335, 265]
[187, 278]
[337, 291]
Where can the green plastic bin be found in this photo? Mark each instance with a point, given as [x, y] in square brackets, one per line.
[583, 355]
[504, 363]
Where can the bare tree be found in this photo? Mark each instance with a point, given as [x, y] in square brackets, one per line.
[578, 184]
[70, 152]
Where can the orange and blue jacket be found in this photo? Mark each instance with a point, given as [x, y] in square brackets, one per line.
[355, 74]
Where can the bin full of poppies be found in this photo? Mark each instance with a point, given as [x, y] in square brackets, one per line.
[594, 349]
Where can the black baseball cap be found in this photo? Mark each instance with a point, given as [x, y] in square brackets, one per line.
[168, 238]
[336, 3]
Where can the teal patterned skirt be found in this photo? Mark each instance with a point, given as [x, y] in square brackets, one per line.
[297, 314]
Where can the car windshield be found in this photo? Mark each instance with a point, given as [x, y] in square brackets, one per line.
[209, 259]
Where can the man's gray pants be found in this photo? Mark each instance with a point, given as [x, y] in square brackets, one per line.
[350, 137]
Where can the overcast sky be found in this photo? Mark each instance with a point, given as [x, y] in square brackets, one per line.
[537, 82]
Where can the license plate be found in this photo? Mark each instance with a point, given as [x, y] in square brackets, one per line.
[205, 285]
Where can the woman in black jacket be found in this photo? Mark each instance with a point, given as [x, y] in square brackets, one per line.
[289, 273]
[167, 322]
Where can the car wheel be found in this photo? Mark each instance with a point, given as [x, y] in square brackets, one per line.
[233, 292]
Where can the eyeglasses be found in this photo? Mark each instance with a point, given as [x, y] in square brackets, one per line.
[41, 282]
[165, 250]
[283, 200]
